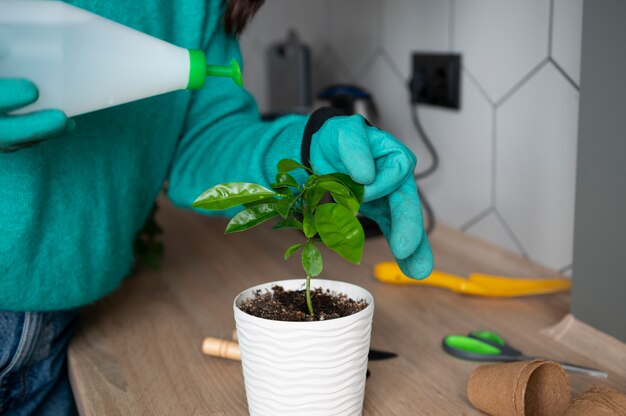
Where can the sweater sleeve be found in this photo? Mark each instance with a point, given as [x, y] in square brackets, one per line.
[224, 138]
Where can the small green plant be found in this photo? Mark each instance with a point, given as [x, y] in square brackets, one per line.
[333, 224]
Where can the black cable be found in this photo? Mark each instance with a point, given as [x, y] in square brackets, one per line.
[429, 146]
[431, 222]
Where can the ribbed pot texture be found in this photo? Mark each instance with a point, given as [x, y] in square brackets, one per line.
[305, 368]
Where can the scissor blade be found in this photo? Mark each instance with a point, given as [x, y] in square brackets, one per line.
[572, 368]
[584, 370]
[380, 355]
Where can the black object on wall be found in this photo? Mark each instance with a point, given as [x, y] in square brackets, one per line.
[290, 85]
[599, 275]
[436, 79]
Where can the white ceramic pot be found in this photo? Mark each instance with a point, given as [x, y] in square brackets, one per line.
[305, 368]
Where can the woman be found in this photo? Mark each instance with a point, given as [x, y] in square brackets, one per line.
[70, 207]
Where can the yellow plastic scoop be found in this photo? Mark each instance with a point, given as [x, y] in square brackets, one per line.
[477, 284]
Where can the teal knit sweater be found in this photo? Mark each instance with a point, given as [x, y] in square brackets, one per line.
[71, 207]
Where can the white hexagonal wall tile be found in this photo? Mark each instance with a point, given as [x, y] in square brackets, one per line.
[328, 70]
[489, 228]
[410, 25]
[271, 24]
[567, 27]
[355, 28]
[461, 186]
[501, 40]
[390, 96]
[536, 166]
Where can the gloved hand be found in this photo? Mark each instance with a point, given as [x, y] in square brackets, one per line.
[24, 130]
[377, 160]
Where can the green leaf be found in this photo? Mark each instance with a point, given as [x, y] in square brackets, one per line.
[357, 189]
[288, 223]
[312, 179]
[311, 260]
[313, 195]
[341, 193]
[282, 189]
[251, 217]
[286, 179]
[292, 250]
[270, 200]
[284, 205]
[308, 224]
[231, 194]
[333, 185]
[340, 231]
[348, 201]
[287, 165]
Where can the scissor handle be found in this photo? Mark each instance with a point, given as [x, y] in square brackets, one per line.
[468, 348]
[487, 336]
[480, 346]
[495, 340]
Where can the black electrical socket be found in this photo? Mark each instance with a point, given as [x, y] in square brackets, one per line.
[436, 79]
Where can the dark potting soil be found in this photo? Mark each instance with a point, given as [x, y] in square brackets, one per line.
[290, 305]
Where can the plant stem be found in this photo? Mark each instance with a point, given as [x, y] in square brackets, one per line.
[308, 295]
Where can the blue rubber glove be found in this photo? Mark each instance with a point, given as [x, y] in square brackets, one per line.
[377, 160]
[24, 130]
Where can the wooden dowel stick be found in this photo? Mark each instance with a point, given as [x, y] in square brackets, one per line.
[223, 348]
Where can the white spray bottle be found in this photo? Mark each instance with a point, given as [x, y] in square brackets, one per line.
[82, 62]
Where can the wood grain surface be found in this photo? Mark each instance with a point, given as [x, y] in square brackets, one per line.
[138, 351]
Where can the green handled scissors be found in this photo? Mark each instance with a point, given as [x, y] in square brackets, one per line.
[489, 346]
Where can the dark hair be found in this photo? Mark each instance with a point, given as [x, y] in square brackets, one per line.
[238, 14]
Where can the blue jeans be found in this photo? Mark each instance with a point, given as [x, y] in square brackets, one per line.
[33, 363]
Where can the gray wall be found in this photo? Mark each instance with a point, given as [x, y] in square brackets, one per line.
[599, 291]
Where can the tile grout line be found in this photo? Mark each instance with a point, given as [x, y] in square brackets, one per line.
[562, 71]
[480, 87]
[339, 62]
[451, 21]
[367, 64]
[510, 233]
[385, 56]
[522, 82]
[550, 27]
[477, 218]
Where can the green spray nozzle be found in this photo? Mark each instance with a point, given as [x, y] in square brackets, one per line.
[231, 71]
[199, 70]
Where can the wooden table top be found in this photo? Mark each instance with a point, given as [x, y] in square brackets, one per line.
[138, 350]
